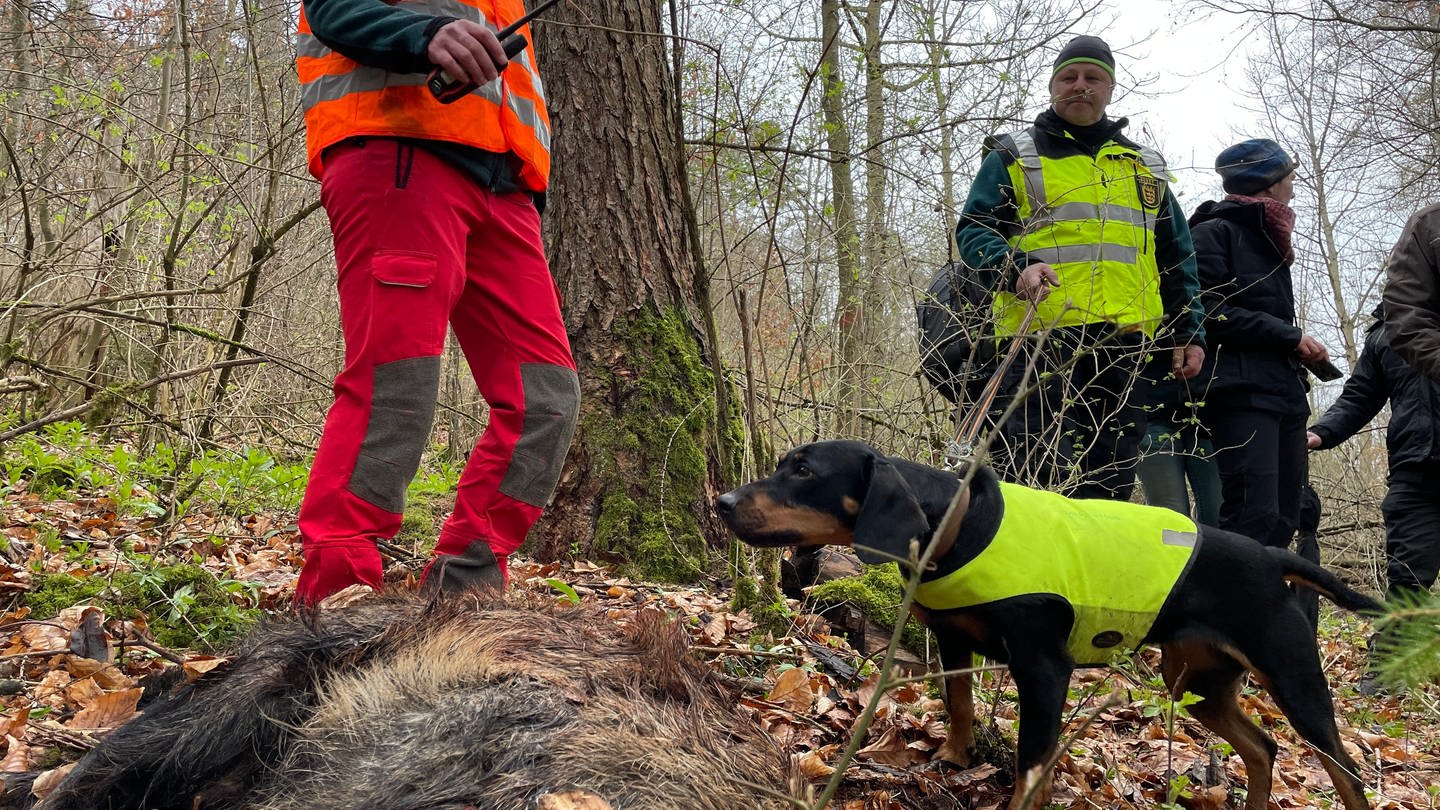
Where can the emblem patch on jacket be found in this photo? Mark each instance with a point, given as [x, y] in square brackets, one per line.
[1151, 190]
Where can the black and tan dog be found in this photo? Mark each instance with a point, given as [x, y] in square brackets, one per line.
[1223, 611]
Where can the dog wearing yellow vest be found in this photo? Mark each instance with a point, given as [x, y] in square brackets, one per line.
[1044, 583]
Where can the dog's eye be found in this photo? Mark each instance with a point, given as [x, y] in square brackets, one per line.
[802, 471]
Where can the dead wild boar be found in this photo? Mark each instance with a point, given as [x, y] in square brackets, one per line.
[393, 703]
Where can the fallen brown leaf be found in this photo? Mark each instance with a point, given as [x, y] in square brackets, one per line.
[107, 711]
[813, 766]
[891, 749]
[792, 690]
[14, 725]
[108, 676]
[201, 664]
[17, 756]
[47, 781]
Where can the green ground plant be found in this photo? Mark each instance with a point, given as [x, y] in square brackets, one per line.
[65, 459]
[185, 606]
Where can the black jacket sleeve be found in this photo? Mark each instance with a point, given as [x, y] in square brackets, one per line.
[1365, 393]
[1412, 293]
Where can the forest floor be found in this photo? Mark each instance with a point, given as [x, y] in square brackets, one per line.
[1129, 744]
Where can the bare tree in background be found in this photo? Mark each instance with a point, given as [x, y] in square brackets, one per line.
[1325, 115]
[152, 171]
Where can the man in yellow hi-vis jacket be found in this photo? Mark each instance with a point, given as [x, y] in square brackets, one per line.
[1079, 221]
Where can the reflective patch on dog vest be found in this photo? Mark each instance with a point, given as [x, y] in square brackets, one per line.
[1173, 538]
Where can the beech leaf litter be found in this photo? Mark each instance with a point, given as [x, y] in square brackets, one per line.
[67, 679]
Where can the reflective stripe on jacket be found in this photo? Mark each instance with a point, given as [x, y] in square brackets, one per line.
[1091, 218]
[1114, 562]
[343, 98]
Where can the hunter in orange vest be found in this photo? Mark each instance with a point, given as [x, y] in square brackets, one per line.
[435, 213]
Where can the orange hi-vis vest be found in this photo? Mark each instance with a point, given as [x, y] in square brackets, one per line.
[343, 98]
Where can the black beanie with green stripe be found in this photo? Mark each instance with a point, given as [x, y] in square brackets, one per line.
[1086, 49]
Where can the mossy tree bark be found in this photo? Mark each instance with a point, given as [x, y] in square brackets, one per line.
[652, 448]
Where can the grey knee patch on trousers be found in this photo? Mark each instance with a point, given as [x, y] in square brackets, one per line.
[402, 406]
[552, 407]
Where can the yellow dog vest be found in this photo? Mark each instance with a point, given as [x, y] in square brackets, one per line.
[1114, 562]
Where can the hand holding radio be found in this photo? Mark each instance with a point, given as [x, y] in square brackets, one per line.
[467, 55]
[474, 54]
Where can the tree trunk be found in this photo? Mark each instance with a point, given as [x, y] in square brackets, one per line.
[875, 277]
[640, 479]
[850, 310]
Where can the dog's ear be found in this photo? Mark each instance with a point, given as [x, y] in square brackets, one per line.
[889, 517]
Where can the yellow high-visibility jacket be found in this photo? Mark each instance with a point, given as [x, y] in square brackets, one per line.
[1091, 218]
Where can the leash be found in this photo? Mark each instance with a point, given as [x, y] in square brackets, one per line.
[962, 446]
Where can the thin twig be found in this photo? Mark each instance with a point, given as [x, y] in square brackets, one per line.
[34, 653]
[155, 648]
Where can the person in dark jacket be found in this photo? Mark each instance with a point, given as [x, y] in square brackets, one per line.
[1412, 293]
[1412, 441]
[1253, 383]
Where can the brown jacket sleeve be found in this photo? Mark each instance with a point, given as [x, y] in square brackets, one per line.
[1412, 293]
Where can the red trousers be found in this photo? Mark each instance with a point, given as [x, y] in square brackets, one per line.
[420, 245]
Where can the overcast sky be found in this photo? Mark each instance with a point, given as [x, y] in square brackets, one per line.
[1191, 71]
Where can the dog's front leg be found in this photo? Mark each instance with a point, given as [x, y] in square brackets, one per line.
[1041, 683]
[959, 746]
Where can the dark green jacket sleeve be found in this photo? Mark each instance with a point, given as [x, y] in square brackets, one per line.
[1179, 274]
[990, 217]
[375, 34]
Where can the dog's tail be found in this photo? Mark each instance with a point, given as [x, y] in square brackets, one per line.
[1302, 572]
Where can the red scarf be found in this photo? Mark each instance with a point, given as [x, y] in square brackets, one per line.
[1279, 221]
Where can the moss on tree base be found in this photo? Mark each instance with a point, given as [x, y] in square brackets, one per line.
[647, 457]
[877, 594]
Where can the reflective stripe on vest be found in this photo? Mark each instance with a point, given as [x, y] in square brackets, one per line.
[344, 99]
[1093, 220]
[1114, 562]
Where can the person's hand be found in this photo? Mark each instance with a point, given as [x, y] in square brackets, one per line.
[1186, 361]
[468, 52]
[1312, 442]
[1036, 281]
[1311, 349]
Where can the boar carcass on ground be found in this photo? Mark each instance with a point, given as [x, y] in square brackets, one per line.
[393, 703]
